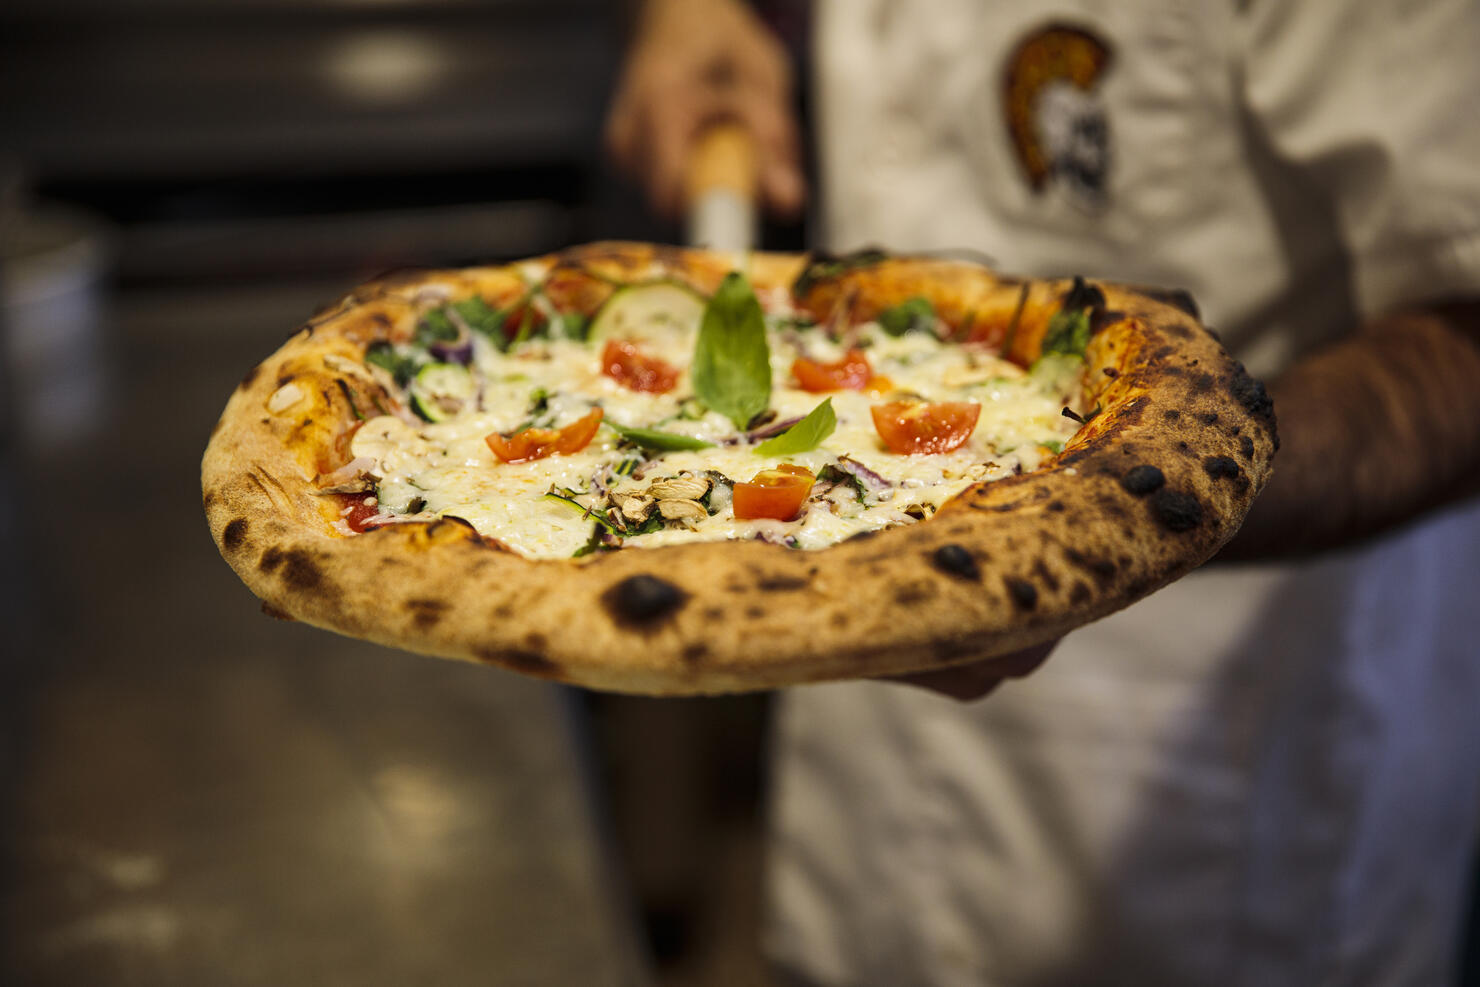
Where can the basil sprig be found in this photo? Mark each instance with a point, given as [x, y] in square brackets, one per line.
[1069, 330]
[805, 435]
[731, 371]
[912, 315]
[656, 440]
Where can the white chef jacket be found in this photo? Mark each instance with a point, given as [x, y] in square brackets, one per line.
[1261, 775]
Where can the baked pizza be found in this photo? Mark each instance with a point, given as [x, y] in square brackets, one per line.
[669, 471]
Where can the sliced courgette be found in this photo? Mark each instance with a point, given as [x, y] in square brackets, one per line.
[663, 314]
[442, 390]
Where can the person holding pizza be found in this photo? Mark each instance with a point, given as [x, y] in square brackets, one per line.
[1263, 774]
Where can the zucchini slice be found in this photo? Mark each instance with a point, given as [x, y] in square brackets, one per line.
[442, 390]
[664, 315]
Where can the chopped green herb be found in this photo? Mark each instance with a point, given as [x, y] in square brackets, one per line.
[654, 440]
[481, 317]
[434, 327]
[384, 355]
[574, 325]
[834, 474]
[583, 509]
[1070, 328]
[913, 315]
[596, 543]
[824, 267]
[1068, 333]
[732, 361]
[805, 435]
[1052, 445]
[349, 395]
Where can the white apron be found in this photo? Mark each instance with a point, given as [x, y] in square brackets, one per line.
[1261, 775]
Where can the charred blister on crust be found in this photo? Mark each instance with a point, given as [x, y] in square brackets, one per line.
[1046, 576]
[914, 591]
[956, 560]
[295, 567]
[527, 662]
[1250, 392]
[1143, 479]
[425, 614]
[234, 534]
[1246, 447]
[1176, 511]
[1208, 417]
[643, 600]
[1221, 468]
[1024, 594]
[776, 582]
[1102, 569]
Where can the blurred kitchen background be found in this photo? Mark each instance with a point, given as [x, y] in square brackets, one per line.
[191, 792]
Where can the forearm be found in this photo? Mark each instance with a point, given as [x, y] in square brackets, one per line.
[1373, 431]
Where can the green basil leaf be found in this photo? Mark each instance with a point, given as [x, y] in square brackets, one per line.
[913, 315]
[805, 435]
[657, 441]
[732, 361]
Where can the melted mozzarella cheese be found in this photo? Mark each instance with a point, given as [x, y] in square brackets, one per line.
[446, 468]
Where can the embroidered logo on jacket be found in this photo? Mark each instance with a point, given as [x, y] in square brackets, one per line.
[1056, 117]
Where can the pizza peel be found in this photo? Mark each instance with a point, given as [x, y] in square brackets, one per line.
[720, 189]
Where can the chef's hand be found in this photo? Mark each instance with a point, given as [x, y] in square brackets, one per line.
[973, 681]
[693, 63]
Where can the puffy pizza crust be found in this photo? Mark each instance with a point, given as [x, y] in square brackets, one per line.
[1149, 489]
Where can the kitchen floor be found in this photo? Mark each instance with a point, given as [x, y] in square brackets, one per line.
[193, 793]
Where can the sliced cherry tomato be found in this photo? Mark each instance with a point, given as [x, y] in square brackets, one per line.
[359, 511]
[909, 427]
[775, 493]
[624, 363]
[851, 373]
[538, 443]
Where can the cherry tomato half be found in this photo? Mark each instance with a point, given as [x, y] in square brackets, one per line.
[624, 363]
[909, 427]
[359, 511]
[851, 373]
[538, 443]
[774, 493]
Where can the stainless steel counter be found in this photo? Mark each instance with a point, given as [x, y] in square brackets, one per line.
[193, 793]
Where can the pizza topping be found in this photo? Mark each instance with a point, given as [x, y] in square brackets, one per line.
[915, 427]
[537, 443]
[503, 458]
[624, 363]
[851, 373]
[284, 398]
[441, 390]
[913, 315]
[805, 435]
[775, 493]
[1070, 328]
[656, 440]
[732, 360]
[352, 477]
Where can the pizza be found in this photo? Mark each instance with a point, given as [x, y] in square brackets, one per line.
[668, 471]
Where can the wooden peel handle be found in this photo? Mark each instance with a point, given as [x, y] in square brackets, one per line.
[724, 157]
[720, 189]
